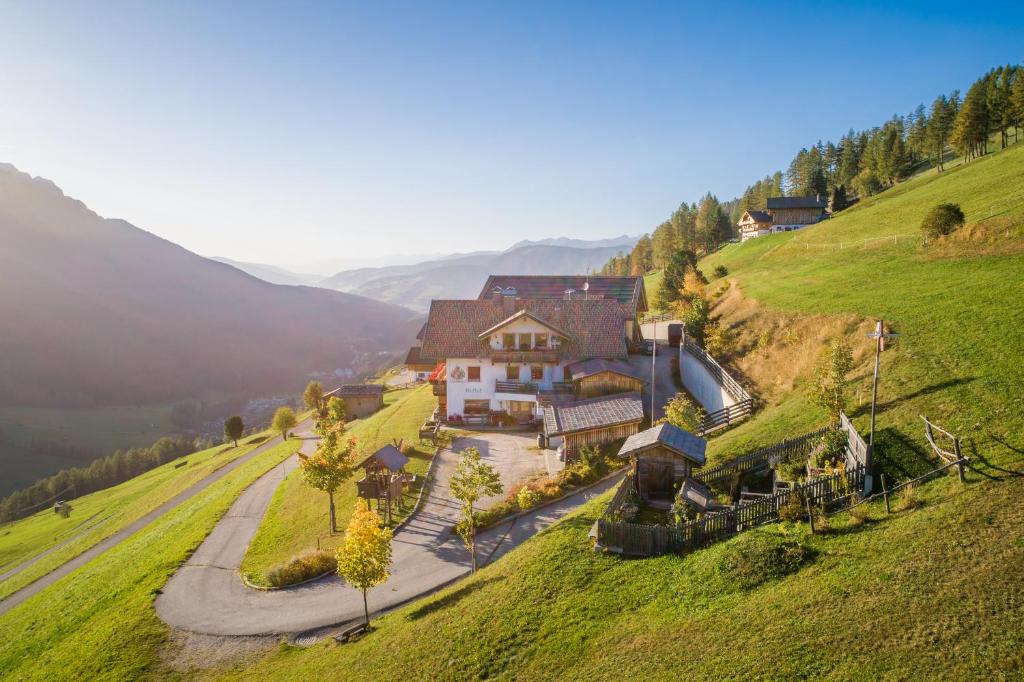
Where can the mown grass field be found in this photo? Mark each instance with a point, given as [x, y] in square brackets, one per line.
[99, 622]
[298, 514]
[101, 430]
[98, 515]
[935, 591]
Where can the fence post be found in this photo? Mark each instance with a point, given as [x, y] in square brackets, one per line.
[959, 460]
[885, 494]
[810, 513]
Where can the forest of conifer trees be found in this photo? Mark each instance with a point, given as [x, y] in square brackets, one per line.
[859, 164]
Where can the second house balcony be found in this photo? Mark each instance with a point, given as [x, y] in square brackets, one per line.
[515, 387]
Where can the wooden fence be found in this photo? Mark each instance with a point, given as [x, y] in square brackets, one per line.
[725, 416]
[759, 459]
[647, 540]
[738, 393]
[952, 457]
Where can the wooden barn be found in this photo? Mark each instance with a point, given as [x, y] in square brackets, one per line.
[599, 376]
[792, 213]
[361, 400]
[663, 457]
[592, 422]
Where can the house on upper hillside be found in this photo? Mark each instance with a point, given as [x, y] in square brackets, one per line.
[629, 292]
[504, 355]
[414, 362]
[792, 213]
[782, 214]
[754, 224]
[361, 400]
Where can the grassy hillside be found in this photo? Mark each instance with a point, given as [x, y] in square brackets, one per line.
[101, 514]
[298, 514]
[935, 590]
[99, 622]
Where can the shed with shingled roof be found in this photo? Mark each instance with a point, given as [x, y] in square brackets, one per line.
[662, 458]
[594, 422]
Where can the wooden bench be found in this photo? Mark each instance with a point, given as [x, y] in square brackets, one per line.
[351, 633]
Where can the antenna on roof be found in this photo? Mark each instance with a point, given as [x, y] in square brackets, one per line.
[586, 288]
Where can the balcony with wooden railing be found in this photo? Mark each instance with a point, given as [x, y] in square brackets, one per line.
[520, 387]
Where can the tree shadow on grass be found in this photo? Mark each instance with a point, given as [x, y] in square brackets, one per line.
[900, 458]
[982, 466]
[861, 410]
[451, 598]
[256, 440]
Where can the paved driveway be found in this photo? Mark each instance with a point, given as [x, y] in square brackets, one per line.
[664, 384]
[207, 596]
[514, 454]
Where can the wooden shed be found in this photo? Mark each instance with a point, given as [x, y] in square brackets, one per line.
[593, 422]
[361, 400]
[663, 457]
[598, 376]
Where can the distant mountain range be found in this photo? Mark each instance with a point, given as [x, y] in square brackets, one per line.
[455, 275]
[414, 286]
[99, 312]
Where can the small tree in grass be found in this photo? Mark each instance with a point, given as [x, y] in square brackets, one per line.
[331, 465]
[943, 219]
[233, 428]
[284, 419]
[473, 479]
[682, 412]
[313, 394]
[364, 557]
[830, 380]
[333, 416]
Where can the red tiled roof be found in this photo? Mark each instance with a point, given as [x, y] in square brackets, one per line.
[594, 325]
[628, 290]
[414, 358]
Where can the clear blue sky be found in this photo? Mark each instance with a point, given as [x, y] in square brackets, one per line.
[292, 134]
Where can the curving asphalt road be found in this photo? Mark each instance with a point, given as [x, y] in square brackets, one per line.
[207, 596]
[99, 548]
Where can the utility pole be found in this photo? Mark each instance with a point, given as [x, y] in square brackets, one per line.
[879, 335]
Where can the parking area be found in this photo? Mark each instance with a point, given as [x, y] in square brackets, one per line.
[515, 455]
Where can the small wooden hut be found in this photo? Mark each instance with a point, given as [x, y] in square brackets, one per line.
[663, 457]
[384, 478]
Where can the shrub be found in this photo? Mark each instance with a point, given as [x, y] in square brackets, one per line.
[717, 339]
[720, 271]
[764, 338]
[757, 557]
[794, 509]
[302, 567]
[941, 220]
[832, 449]
[527, 498]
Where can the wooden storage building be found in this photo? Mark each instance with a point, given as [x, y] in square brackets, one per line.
[663, 457]
[599, 376]
[361, 400]
[593, 422]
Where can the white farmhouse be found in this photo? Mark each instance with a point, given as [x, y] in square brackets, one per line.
[504, 355]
